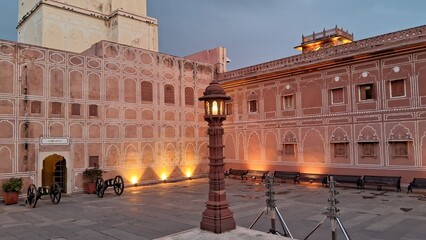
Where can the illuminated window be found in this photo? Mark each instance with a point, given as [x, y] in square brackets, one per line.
[397, 88]
[366, 92]
[56, 108]
[36, 107]
[253, 106]
[288, 103]
[337, 95]
[75, 109]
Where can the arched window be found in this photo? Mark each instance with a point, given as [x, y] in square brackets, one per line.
[146, 91]
[169, 94]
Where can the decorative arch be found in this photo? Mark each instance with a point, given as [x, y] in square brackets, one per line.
[190, 154]
[367, 133]
[230, 146]
[6, 107]
[112, 156]
[130, 131]
[76, 130]
[94, 131]
[148, 154]
[56, 80]
[76, 84]
[339, 135]
[6, 165]
[169, 155]
[204, 151]
[56, 130]
[313, 149]
[271, 146]
[147, 131]
[112, 131]
[6, 129]
[7, 77]
[131, 156]
[400, 132]
[189, 132]
[130, 113]
[254, 147]
[112, 112]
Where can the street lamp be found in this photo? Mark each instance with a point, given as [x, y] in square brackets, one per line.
[217, 217]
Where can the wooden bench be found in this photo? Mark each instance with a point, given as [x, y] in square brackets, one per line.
[283, 175]
[379, 181]
[417, 183]
[351, 179]
[314, 177]
[237, 173]
[254, 174]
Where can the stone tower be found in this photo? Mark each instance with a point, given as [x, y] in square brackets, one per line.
[74, 25]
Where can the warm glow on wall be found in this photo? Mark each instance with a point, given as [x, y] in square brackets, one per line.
[188, 174]
[163, 176]
[134, 179]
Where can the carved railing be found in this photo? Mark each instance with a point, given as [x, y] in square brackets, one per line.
[406, 37]
[327, 33]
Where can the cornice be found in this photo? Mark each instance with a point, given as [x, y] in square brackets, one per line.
[375, 46]
[86, 12]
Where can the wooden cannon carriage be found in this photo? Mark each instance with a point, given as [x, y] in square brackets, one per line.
[34, 194]
[117, 183]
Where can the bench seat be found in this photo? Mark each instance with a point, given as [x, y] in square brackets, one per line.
[314, 177]
[235, 173]
[255, 174]
[284, 175]
[417, 183]
[379, 181]
[352, 179]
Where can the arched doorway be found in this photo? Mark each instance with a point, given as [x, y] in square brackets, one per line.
[54, 170]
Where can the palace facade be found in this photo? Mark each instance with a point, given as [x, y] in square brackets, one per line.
[340, 107]
[87, 97]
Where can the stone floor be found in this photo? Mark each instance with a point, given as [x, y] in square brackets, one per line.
[155, 211]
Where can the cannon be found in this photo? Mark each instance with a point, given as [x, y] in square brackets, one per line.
[117, 183]
[34, 194]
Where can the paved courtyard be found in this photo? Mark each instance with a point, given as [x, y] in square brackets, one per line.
[153, 211]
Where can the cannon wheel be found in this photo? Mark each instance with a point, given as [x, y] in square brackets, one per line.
[118, 185]
[32, 195]
[100, 190]
[55, 193]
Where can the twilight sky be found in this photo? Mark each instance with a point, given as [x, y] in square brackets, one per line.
[256, 31]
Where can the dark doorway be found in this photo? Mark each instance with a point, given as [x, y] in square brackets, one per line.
[55, 171]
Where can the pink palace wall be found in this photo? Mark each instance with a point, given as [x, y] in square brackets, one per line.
[392, 122]
[136, 111]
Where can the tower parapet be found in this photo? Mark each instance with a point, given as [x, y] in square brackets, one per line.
[75, 25]
[326, 38]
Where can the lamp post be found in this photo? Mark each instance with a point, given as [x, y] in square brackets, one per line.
[217, 217]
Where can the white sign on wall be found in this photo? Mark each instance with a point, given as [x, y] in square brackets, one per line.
[54, 141]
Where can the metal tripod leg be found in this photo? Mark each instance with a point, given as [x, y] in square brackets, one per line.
[255, 221]
[343, 229]
[315, 228]
[283, 224]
